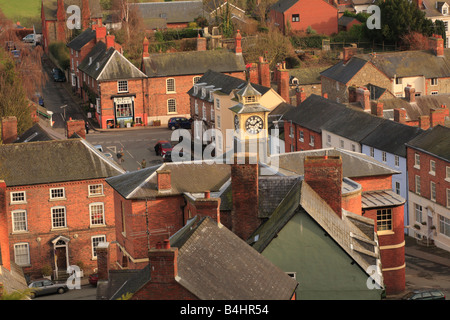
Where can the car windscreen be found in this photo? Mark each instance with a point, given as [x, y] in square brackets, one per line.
[166, 145]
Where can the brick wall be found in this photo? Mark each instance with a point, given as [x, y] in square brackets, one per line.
[40, 233]
[8, 129]
[383, 182]
[4, 241]
[295, 139]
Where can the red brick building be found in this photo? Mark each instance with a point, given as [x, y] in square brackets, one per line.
[54, 18]
[57, 206]
[428, 162]
[298, 15]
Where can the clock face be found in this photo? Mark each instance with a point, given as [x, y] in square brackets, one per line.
[254, 125]
[236, 122]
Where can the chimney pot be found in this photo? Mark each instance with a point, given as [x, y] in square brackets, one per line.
[166, 244]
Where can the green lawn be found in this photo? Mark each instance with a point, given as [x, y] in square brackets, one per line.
[14, 9]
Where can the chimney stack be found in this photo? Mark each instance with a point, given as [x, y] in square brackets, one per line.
[208, 207]
[85, 14]
[103, 266]
[100, 34]
[437, 116]
[363, 97]
[283, 83]
[164, 180]
[324, 175]
[400, 115]
[349, 52]
[9, 129]
[377, 109]
[60, 21]
[245, 195]
[201, 43]
[301, 95]
[410, 93]
[264, 72]
[145, 44]
[238, 40]
[163, 263]
[437, 45]
[110, 41]
[352, 94]
[424, 122]
[75, 126]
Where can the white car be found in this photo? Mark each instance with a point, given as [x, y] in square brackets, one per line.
[29, 38]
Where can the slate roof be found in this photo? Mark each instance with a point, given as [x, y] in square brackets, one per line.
[411, 63]
[391, 136]
[82, 39]
[314, 112]
[142, 183]
[192, 62]
[206, 247]
[170, 12]
[50, 8]
[225, 83]
[344, 72]
[435, 141]
[354, 164]
[352, 124]
[306, 76]
[38, 133]
[53, 161]
[283, 5]
[104, 64]
[431, 10]
[353, 233]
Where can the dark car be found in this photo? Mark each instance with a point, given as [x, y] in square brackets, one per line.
[179, 123]
[58, 75]
[93, 279]
[44, 286]
[426, 294]
[162, 147]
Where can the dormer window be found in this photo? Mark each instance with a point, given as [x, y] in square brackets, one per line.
[250, 99]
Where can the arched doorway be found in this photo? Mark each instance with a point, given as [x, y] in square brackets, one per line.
[61, 254]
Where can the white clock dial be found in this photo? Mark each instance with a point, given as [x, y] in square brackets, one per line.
[254, 125]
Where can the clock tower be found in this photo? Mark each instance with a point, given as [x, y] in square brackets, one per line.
[250, 117]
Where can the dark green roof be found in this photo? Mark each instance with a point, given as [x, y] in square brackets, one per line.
[192, 63]
[53, 161]
[435, 141]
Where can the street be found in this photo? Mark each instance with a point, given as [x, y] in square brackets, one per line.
[87, 292]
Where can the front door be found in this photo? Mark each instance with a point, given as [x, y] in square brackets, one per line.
[61, 261]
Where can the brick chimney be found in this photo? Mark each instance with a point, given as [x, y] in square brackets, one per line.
[145, 44]
[245, 195]
[164, 180]
[100, 33]
[437, 116]
[4, 239]
[238, 40]
[377, 109]
[348, 53]
[103, 266]
[437, 45]
[163, 263]
[110, 41]
[264, 72]
[410, 93]
[324, 175]
[85, 14]
[300, 95]
[60, 21]
[400, 115]
[363, 97]
[424, 122]
[201, 43]
[283, 83]
[253, 72]
[208, 207]
[9, 129]
[351, 94]
[75, 126]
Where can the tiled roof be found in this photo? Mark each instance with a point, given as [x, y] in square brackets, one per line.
[170, 12]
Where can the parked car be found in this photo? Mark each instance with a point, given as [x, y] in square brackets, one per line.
[162, 147]
[179, 123]
[93, 279]
[29, 38]
[58, 75]
[425, 294]
[44, 286]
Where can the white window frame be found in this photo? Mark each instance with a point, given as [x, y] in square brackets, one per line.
[52, 195]
[92, 207]
[372, 152]
[196, 107]
[26, 246]
[417, 184]
[418, 212]
[122, 86]
[218, 104]
[171, 103]
[311, 140]
[95, 240]
[447, 173]
[384, 219]
[170, 85]
[195, 80]
[434, 81]
[301, 136]
[397, 161]
[14, 220]
[432, 168]
[416, 160]
[448, 198]
[383, 156]
[53, 217]
[397, 187]
[433, 191]
[92, 187]
[12, 195]
[444, 226]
